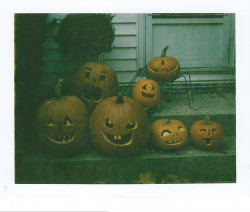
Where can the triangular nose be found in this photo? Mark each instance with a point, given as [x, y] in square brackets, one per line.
[59, 127]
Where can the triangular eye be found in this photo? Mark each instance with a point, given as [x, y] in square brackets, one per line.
[67, 121]
[51, 123]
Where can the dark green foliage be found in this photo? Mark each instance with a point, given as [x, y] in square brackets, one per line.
[85, 35]
[30, 32]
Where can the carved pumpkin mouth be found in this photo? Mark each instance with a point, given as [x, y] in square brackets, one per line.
[147, 95]
[92, 93]
[208, 140]
[118, 140]
[166, 69]
[176, 141]
[62, 139]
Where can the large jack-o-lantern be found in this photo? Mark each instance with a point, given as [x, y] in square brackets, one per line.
[168, 134]
[62, 124]
[207, 134]
[147, 93]
[119, 126]
[94, 82]
[164, 68]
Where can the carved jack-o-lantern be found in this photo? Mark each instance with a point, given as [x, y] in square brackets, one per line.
[147, 93]
[168, 134]
[119, 126]
[62, 124]
[207, 134]
[94, 82]
[164, 68]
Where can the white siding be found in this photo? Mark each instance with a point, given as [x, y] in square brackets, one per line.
[124, 58]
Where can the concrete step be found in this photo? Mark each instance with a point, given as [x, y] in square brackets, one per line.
[187, 165]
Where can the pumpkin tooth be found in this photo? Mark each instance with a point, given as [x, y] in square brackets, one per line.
[119, 137]
[175, 141]
[115, 137]
[170, 142]
[179, 139]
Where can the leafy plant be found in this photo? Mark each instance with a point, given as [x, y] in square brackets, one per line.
[85, 35]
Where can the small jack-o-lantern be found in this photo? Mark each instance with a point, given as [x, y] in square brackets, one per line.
[207, 134]
[168, 134]
[94, 82]
[62, 124]
[164, 68]
[119, 126]
[147, 93]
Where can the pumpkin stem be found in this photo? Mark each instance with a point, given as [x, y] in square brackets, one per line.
[163, 54]
[120, 99]
[167, 121]
[206, 120]
[58, 92]
[101, 58]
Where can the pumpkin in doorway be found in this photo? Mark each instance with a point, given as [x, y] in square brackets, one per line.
[95, 82]
[147, 93]
[119, 126]
[168, 134]
[207, 134]
[164, 69]
[62, 124]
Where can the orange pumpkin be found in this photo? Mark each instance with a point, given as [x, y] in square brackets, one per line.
[119, 126]
[168, 134]
[94, 82]
[207, 134]
[147, 93]
[164, 68]
[62, 124]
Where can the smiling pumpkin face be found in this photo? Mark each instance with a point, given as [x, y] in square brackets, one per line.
[62, 125]
[168, 134]
[164, 68]
[119, 126]
[207, 134]
[147, 93]
[94, 82]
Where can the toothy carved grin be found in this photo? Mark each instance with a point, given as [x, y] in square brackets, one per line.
[208, 140]
[63, 139]
[176, 141]
[147, 95]
[118, 140]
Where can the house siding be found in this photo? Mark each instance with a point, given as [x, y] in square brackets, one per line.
[139, 37]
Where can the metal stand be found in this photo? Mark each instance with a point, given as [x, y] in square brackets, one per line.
[144, 69]
[145, 74]
[190, 87]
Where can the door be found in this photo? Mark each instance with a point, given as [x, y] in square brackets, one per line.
[202, 43]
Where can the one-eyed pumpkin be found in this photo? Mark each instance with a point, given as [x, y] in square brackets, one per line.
[168, 134]
[207, 134]
[94, 82]
[147, 93]
[164, 69]
[119, 126]
[62, 124]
